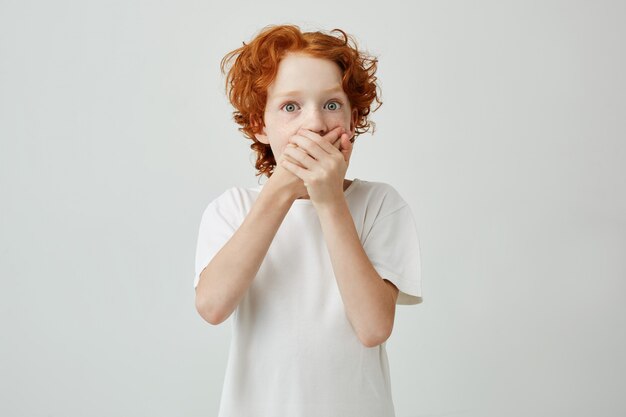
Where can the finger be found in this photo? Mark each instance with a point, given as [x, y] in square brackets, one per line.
[299, 155]
[329, 147]
[295, 169]
[341, 141]
[290, 159]
[334, 134]
[331, 136]
[313, 145]
[346, 148]
[285, 156]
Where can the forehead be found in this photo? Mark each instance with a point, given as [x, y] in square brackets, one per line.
[306, 74]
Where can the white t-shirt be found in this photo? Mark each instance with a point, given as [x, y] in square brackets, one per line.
[293, 351]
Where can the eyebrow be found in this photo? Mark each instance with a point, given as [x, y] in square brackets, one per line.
[337, 89]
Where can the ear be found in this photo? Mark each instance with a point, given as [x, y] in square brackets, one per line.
[262, 136]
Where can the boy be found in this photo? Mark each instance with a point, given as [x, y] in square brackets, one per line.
[311, 264]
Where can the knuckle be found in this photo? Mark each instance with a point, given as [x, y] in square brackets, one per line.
[315, 179]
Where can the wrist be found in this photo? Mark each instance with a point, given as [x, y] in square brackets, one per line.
[278, 193]
[333, 208]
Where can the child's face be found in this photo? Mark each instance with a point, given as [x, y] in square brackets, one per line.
[299, 98]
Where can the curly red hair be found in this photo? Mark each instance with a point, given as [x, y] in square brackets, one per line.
[256, 66]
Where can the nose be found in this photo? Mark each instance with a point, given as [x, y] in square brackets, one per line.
[314, 121]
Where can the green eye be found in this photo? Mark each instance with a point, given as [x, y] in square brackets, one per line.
[289, 107]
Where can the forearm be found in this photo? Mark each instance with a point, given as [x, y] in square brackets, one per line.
[369, 305]
[224, 281]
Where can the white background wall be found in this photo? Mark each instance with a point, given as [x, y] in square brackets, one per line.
[502, 126]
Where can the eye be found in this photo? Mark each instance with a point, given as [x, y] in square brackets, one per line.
[289, 107]
[334, 105]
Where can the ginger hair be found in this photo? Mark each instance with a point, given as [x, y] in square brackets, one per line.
[256, 65]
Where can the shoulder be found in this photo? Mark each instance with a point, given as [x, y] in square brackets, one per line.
[226, 205]
[222, 199]
[233, 203]
[380, 196]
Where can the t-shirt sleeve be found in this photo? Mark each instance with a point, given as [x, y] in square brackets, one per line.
[392, 246]
[217, 226]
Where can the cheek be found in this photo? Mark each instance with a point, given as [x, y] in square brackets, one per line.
[282, 137]
[342, 119]
[281, 140]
